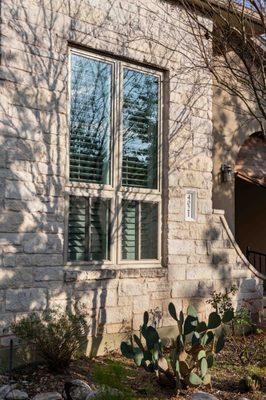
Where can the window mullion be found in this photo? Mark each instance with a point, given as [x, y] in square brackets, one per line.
[138, 231]
[88, 229]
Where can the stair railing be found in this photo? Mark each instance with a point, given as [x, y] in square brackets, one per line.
[257, 259]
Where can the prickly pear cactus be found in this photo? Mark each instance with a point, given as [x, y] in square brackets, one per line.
[193, 352]
[196, 345]
[149, 354]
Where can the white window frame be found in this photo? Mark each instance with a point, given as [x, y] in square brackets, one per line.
[115, 191]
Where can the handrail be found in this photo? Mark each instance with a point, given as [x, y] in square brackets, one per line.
[257, 259]
[236, 247]
[255, 252]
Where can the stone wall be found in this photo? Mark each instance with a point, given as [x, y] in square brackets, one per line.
[198, 257]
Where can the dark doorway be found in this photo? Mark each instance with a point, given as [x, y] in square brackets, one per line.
[250, 214]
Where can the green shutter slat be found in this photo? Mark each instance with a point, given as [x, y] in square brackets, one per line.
[88, 229]
[149, 231]
[76, 229]
[99, 219]
[129, 230]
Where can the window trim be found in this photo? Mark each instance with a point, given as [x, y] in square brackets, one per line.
[115, 191]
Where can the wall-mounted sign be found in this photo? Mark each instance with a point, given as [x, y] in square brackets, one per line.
[190, 206]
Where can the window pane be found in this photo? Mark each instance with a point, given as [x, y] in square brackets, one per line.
[149, 231]
[139, 230]
[129, 230]
[140, 129]
[88, 230]
[77, 229]
[90, 120]
[99, 227]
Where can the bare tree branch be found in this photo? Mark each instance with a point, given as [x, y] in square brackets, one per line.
[239, 51]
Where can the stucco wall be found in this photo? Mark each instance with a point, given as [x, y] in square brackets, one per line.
[199, 256]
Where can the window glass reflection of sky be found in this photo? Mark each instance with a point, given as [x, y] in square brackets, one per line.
[140, 129]
[90, 119]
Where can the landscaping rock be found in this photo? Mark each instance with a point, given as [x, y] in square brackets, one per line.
[203, 396]
[4, 390]
[77, 390]
[48, 396]
[16, 394]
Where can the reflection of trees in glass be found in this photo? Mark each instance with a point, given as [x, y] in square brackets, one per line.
[140, 128]
[90, 120]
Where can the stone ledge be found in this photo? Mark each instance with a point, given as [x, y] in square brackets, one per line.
[113, 273]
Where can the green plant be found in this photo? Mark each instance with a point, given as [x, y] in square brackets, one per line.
[251, 383]
[193, 353]
[196, 345]
[56, 336]
[240, 324]
[222, 302]
[112, 375]
[242, 318]
[147, 355]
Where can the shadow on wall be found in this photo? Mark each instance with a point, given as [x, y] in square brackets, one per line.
[34, 80]
[232, 268]
[34, 68]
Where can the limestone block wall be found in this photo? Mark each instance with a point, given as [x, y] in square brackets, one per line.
[198, 256]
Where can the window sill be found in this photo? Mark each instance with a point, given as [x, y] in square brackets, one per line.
[139, 263]
[92, 264]
[79, 273]
[127, 264]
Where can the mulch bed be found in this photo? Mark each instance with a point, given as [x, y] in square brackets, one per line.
[225, 384]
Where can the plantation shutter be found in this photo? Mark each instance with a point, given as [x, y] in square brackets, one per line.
[140, 129]
[90, 120]
[99, 225]
[88, 229]
[129, 230]
[149, 230]
[139, 230]
[77, 229]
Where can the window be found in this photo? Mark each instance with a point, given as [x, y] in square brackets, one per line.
[114, 160]
[139, 230]
[90, 120]
[140, 129]
[88, 229]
